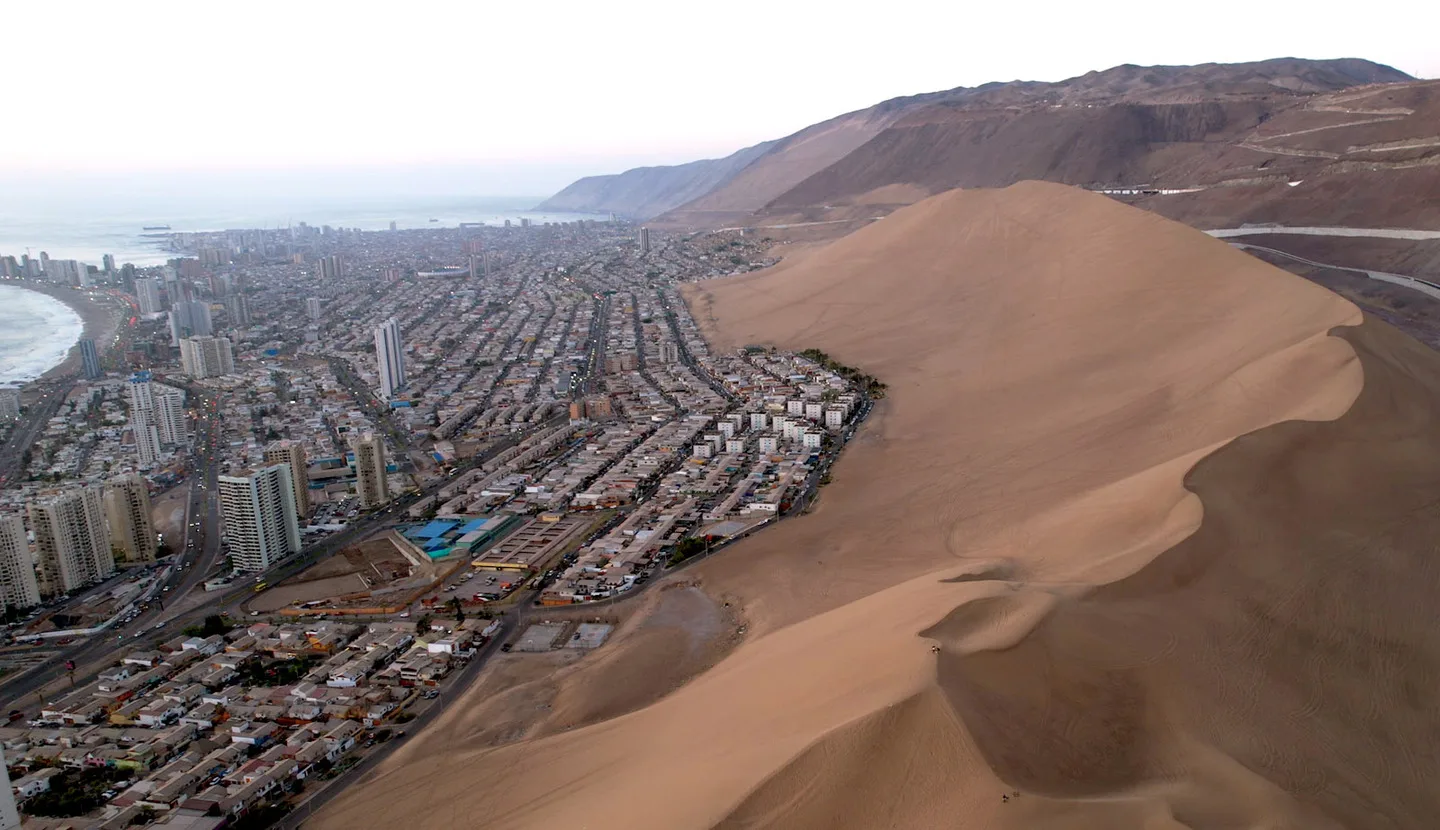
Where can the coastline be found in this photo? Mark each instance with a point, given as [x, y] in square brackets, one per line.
[100, 324]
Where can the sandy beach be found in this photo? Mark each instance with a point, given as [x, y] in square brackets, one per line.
[101, 321]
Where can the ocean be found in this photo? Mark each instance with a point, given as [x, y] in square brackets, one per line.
[36, 333]
[88, 229]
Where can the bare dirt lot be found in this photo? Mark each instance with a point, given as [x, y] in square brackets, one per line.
[370, 570]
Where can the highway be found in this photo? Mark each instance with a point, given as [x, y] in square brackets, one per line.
[31, 424]
[1429, 289]
[1373, 233]
[199, 555]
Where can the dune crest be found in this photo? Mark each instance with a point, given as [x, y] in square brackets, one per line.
[1058, 363]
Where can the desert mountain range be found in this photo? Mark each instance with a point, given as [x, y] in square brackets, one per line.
[1258, 142]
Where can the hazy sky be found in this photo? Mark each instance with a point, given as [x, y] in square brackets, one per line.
[537, 92]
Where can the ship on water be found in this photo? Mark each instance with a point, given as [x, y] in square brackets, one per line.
[156, 228]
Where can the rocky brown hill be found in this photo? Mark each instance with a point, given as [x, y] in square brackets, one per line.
[1126, 125]
[649, 191]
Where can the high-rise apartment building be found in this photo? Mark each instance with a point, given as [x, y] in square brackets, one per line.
[189, 318]
[89, 359]
[669, 352]
[312, 308]
[329, 267]
[644, 240]
[18, 586]
[292, 455]
[147, 439]
[147, 295]
[372, 484]
[72, 541]
[389, 358]
[127, 509]
[261, 526]
[157, 417]
[237, 306]
[170, 414]
[206, 357]
[108, 261]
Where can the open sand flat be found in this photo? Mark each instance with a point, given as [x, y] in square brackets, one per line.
[1167, 531]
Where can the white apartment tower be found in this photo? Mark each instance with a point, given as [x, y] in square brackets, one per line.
[170, 414]
[147, 295]
[147, 441]
[18, 587]
[189, 318]
[207, 357]
[389, 360]
[292, 455]
[261, 526]
[157, 417]
[371, 482]
[127, 509]
[312, 308]
[72, 541]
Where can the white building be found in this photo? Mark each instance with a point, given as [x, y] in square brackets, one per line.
[811, 440]
[18, 587]
[389, 358]
[758, 420]
[814, 411]
[834, 417]
[157, 417]
[371, 480]
[9, 404]
[207, 357]
[170, 414]
[189, 318]
[261, 526]
[147, 295]
[9, 815]
[147, 439]
[72, 540]
[769, 444]
[794, 407]
[312, 308]
[127, 509]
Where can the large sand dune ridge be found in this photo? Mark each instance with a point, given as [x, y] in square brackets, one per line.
[1162, 508]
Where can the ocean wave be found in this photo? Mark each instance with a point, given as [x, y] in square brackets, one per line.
[36, 333]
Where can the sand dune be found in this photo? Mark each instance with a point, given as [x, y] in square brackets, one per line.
[1166, 529]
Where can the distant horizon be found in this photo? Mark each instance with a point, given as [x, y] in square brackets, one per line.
[584, 89]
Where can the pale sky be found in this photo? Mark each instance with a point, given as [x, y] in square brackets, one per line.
[549, 88]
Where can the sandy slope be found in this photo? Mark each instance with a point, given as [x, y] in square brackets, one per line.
[1057, 364]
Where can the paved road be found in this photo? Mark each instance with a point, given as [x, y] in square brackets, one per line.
[198, 556]
[1430, 289]
[1375, 233]
[32, 423]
